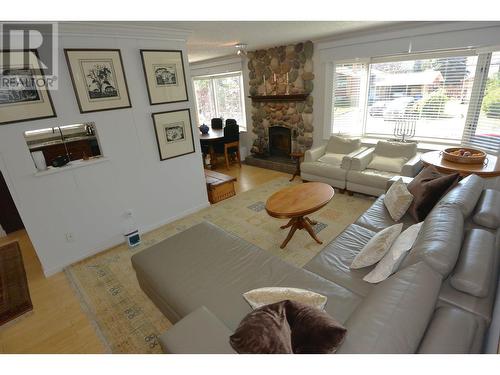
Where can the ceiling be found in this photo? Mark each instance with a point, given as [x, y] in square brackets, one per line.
[212, 39]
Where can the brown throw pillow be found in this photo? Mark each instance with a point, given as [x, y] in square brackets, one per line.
[428, 187]
[313, 330]
[263, 331]
[287, 327]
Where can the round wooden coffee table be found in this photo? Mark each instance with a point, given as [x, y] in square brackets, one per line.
[295, 202]
[489, 169]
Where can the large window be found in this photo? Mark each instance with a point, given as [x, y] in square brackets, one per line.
[220, 96]
[445, 97]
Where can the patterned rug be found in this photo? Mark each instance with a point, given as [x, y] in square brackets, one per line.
[127, 320]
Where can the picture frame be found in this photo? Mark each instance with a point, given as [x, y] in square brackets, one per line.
[174, 133]
[20, 104]
[165, 76]
[98, 79]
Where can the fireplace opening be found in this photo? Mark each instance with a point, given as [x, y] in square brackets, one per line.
[280, 141]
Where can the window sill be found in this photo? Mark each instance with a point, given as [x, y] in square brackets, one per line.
[424, 146]
[71, 165]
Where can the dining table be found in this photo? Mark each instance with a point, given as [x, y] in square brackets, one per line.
[210, 139]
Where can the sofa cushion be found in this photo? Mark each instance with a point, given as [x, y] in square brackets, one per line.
[396, 149]
[377, 247]
[342, 145]
[488, 209]
[264, 331]
[318, 168]
[451, 331]
[199, 332]
[474, 270]
[370, 177]
[334, 260]
[377, 217]
[394, 316]
[383, 163]
[331, 158]
[427, 188]
[465, 195]
[439, 241]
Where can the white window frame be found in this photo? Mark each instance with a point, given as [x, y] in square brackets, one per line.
[211, 78]
[480, 78]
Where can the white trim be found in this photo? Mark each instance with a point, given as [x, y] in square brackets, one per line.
[122, 31]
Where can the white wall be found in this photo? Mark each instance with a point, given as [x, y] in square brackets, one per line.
[423, 37]
[90, 202]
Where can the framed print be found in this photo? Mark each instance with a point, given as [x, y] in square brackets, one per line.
[174, 133]
[164, 74]
[23, 91]
[98, 79]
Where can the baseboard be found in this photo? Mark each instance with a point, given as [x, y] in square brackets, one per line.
[116, 242]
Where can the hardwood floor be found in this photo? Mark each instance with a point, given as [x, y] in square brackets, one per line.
[57, 323]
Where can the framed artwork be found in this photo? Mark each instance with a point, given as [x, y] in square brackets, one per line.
[165, 77]
[174, 133]
[23, 94]
[98, 79]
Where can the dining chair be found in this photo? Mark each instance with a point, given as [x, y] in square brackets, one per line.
[216, 123]
[230, 144]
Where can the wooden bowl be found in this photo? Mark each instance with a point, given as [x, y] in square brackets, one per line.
[473, 159]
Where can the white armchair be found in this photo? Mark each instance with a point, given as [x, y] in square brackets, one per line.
[329, 163]
[372, 169]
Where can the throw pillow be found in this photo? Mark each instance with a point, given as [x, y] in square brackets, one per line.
[313, 330]
[427, 189]
[331, 158]
[342, 145]
[387, 164]
[391, 261]
[397, 200]
[377, 247]
[263, 331]
[265, 296]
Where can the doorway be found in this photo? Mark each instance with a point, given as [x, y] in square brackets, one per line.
[10, 220]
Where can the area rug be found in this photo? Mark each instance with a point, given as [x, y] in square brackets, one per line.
[15, 297]
[127, 320]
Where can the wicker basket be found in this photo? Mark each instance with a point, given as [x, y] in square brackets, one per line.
[447, 155]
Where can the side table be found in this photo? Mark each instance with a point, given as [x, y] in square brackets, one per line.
[296, 156]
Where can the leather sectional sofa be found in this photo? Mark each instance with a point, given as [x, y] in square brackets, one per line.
[345, 164]
[442, 299]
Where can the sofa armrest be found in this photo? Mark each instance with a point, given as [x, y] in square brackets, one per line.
[346, 160]
[314, 153]
[406, 181]
[361, 161]
[412, 166]
[199, 332]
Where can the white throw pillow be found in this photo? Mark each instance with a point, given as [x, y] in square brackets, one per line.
[384, 163]
[264, 296]
[377, 247]
[398, 199]
[391, 261]
[331, 158]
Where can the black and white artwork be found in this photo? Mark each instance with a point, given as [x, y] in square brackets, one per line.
[174, 132]
[24, 90]
[165, 75]
[18, 86]
[100, 78]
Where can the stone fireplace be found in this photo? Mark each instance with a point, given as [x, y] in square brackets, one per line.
[280, 141]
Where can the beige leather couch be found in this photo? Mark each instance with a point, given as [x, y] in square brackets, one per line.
[329, 163]
[371, 169]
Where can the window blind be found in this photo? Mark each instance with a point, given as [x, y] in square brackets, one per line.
[483, 122]
[349, 87]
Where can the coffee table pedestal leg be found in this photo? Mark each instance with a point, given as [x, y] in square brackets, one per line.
[300, 222]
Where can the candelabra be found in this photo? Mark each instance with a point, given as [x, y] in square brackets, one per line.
[404, 129]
